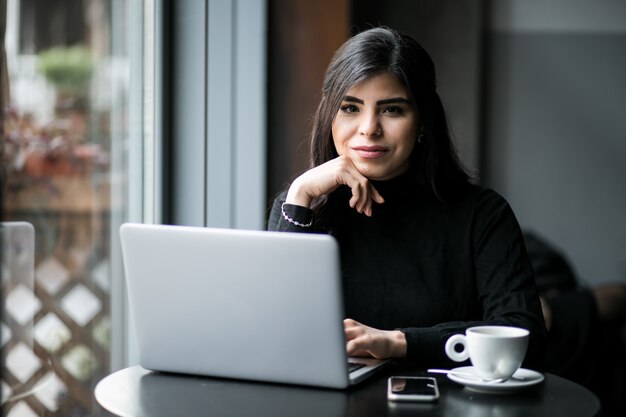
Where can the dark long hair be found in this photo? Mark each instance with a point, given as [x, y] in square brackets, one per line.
[434, 161]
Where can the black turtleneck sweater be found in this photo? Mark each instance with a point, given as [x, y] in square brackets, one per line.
[428, 268]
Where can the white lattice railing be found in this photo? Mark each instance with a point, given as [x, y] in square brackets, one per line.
[55, 321]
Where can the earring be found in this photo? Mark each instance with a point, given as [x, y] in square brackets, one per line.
[420, 137]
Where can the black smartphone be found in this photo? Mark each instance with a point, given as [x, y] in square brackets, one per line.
[412, 388]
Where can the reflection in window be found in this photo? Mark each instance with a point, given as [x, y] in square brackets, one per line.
[64, 105]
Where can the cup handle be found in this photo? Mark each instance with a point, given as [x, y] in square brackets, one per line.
[457, 339]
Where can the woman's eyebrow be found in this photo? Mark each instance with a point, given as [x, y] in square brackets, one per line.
[353, 99]
[379, 102]
[393, 100]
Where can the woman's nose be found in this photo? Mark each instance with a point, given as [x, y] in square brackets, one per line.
[370, 125]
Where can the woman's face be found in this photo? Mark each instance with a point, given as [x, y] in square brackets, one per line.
[376, 127]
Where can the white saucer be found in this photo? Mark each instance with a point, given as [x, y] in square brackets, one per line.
[521, 379]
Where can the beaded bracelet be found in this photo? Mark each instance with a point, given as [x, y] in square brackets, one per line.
[292, 221]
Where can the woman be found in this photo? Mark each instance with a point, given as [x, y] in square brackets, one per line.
[424, 253]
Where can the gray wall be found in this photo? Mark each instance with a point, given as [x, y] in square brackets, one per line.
[555, 125]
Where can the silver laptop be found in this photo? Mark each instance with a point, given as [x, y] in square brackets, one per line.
[256, 305]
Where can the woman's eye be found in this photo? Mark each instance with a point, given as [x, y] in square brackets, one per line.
[349, 108]
[393, 110]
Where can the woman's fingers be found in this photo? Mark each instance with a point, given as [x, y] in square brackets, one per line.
[360, 195]
[363, 194]
[352, 328]
[325, 178]
[376, 196]
[353, 349]
[356, 338]
[373, 196]
[363, 340]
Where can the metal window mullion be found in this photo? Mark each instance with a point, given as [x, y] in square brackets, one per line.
[126, 190]
[187, 140]
[154, 99]
[249, 117]
[219, 114]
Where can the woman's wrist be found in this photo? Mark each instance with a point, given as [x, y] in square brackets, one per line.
[398, 340]
[297, 215]
[297, 195]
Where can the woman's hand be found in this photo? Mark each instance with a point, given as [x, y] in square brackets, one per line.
[325, 178]
[362, 340]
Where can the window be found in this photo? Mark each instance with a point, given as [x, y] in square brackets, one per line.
[100, 128]
[76, 126]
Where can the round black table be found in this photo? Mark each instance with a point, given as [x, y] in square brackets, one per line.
[136, 392]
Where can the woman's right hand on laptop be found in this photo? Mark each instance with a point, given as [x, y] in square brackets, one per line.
[362, 340]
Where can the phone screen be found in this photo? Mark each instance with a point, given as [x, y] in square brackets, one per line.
[413, 388]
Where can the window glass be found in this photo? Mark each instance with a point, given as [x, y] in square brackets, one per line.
[65, 132]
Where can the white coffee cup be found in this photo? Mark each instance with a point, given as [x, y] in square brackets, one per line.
[495, 351]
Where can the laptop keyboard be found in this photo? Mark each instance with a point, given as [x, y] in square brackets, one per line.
[353, 366]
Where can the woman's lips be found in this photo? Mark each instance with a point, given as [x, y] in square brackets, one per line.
[370, 152]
